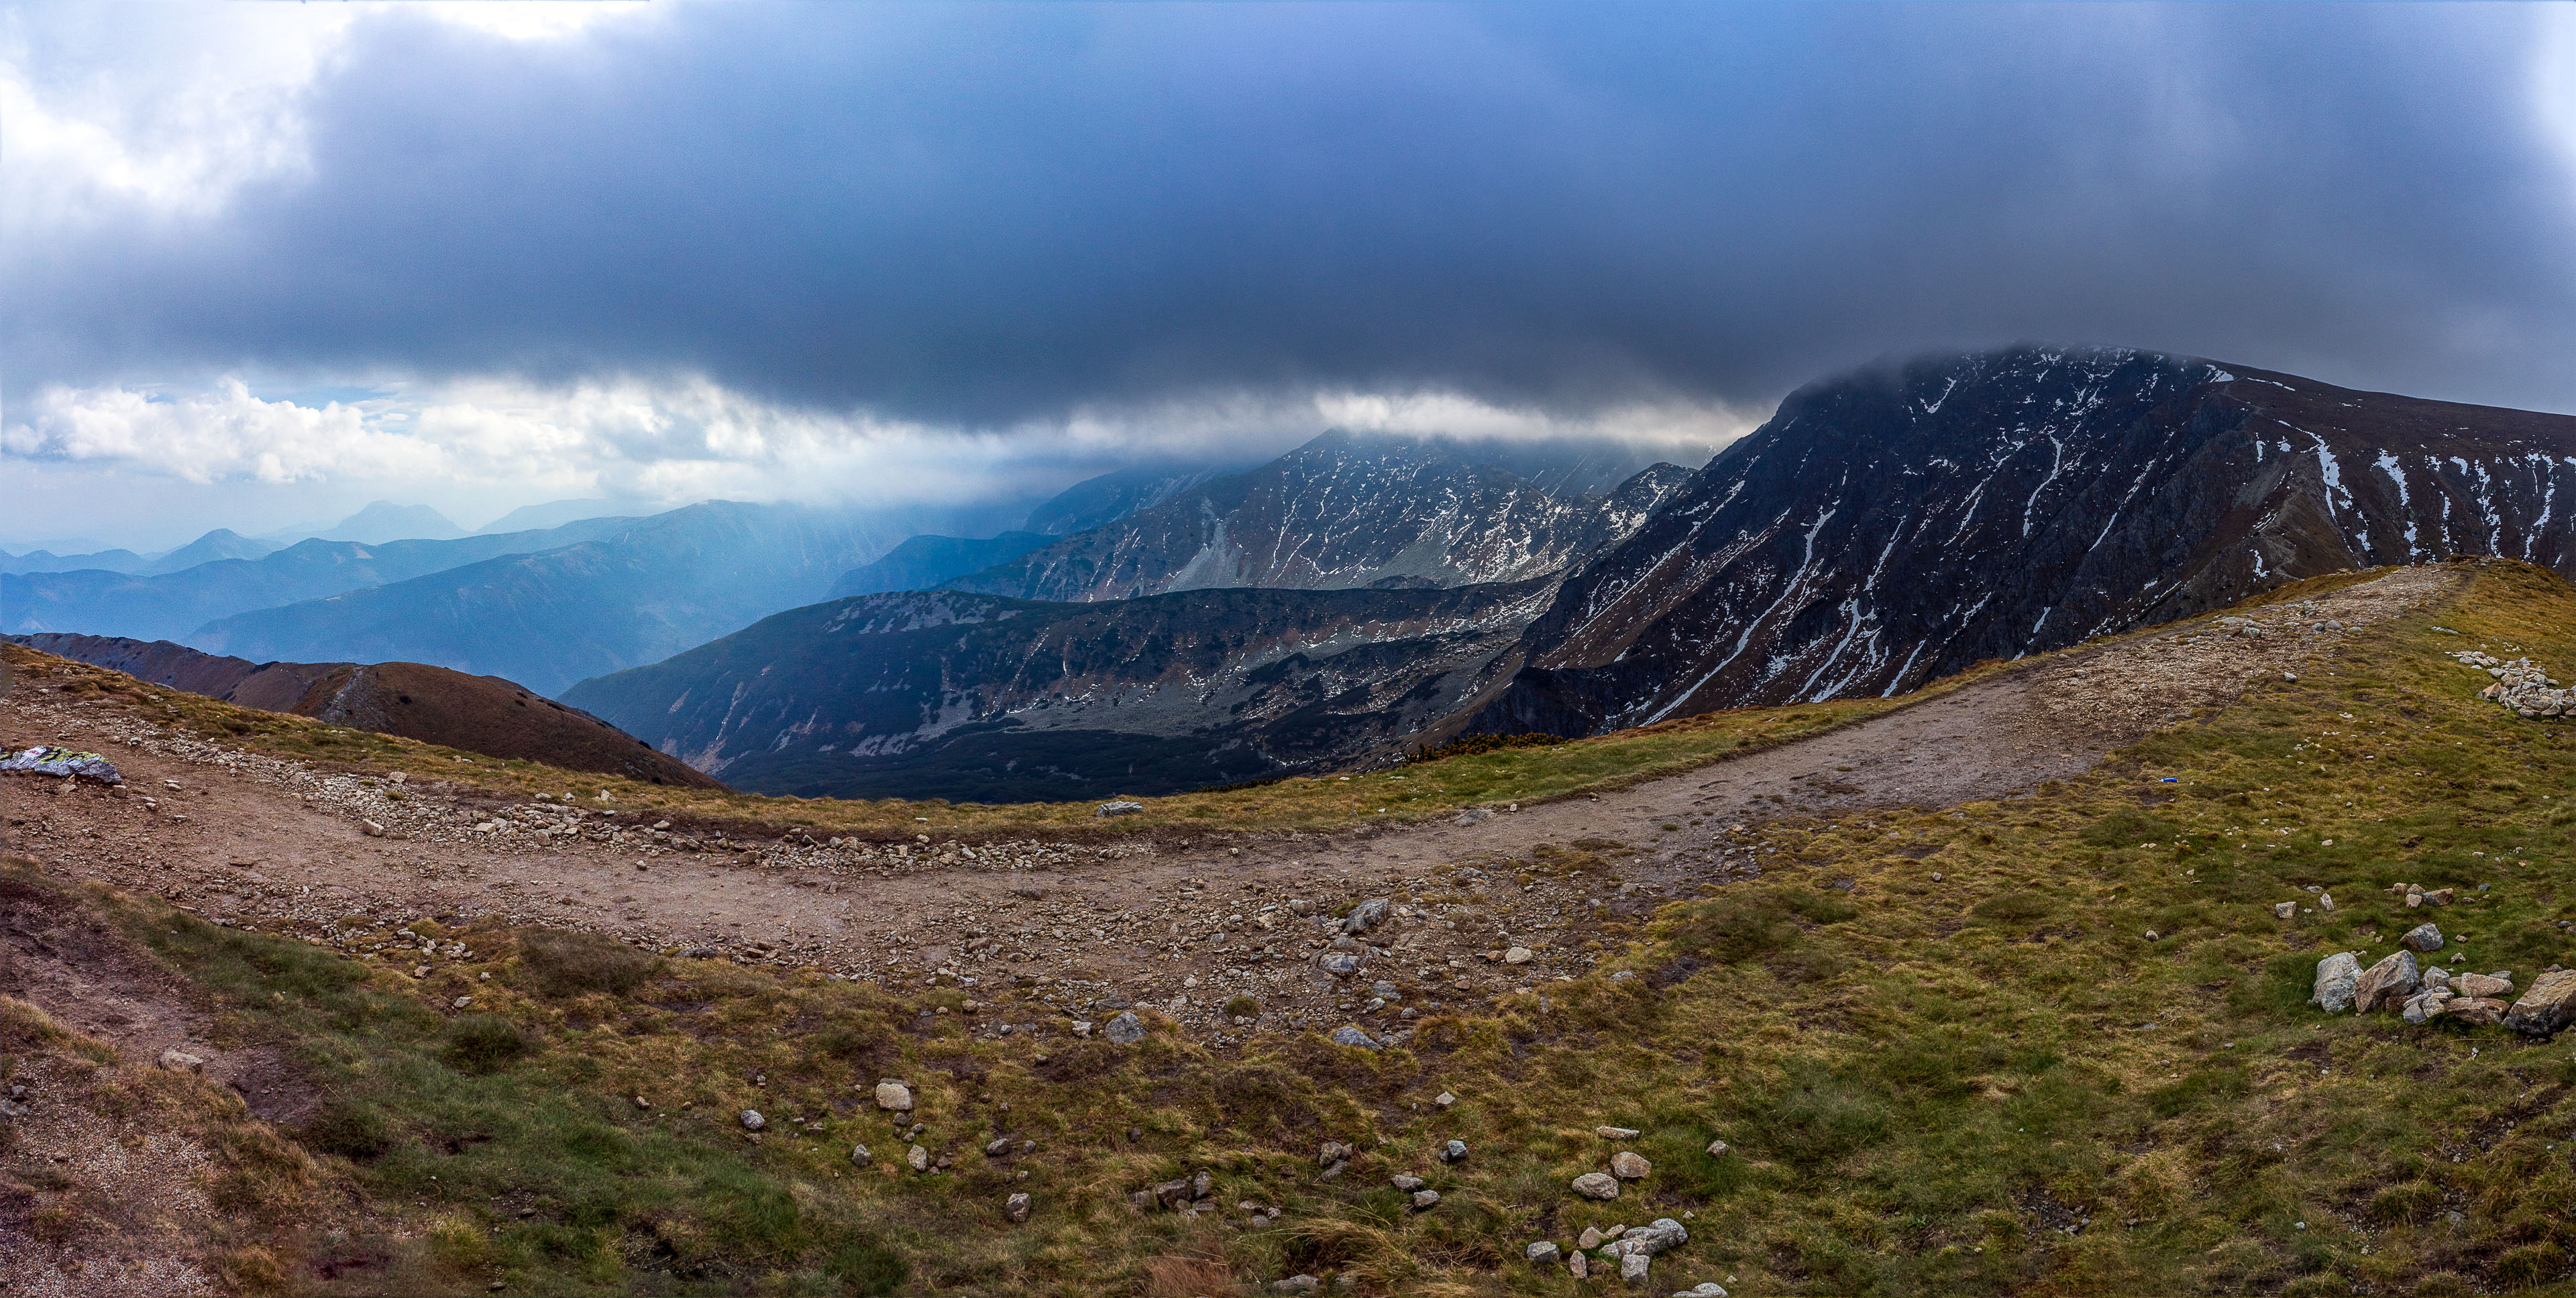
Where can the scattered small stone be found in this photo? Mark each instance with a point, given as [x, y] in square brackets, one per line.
[1297, 1284]
[1590, 1239]
[1444, 1099]
[2285, 910]
[1016, 1208]
[1119, 807]
[1615, 1133]
[1597, 1185]
[1408, 1184]
[894, 1097]
[2424, 939]
[752, 1121]
[1126, 1029]
[180, 1061]
[860, 1156]
[1543, 1253]
[1453, 1151]
[1630, 1167]
[1519, 955]
[1347, 1035]
[1425, 1199]
[917, 1158]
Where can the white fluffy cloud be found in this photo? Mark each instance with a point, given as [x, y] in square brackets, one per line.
[225, 434]
[691, 439]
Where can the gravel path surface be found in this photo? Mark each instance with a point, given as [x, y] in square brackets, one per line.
[1178, 926]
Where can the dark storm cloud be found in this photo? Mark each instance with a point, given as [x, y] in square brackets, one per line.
[983, 214]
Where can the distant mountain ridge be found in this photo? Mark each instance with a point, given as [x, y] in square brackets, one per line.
[221, 543]
[633, 591]
[965, 696]
[1339, 512]
[1896, 525]
[169, 606]
[481, 714]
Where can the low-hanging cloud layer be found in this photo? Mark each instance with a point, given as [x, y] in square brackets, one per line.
[767, 249]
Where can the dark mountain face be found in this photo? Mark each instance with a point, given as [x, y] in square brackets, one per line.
[929, 562]
[1112, 496]
[1894, 526]
[480, 714]
[977, 697]
[170, 605]
[650, 588]
[1337, 513]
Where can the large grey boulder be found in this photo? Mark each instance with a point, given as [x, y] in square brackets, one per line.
[1346, 1035]
[2337, 975]
[1126, 1029]
[2549, 1006]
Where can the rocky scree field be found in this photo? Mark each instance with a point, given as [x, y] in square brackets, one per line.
[2061, 1041]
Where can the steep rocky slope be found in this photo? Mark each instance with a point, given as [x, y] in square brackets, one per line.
[1893, 526]
[977, 697]
[481, 714]
[1340, 512]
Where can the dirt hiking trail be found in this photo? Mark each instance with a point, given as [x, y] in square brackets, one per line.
[1177, 926]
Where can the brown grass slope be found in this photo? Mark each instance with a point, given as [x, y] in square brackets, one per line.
[436, 705]
[2056, 1044]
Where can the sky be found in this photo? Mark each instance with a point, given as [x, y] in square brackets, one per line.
[261, 263]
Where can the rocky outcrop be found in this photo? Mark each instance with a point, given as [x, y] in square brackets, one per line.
[1893, 526]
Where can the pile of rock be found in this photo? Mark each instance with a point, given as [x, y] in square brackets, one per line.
[2521, 686]
[2421, 994]
[45, 759]
[1630, 1250]
[2417, 894]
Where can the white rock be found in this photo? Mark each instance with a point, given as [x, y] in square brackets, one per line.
[894, 1097]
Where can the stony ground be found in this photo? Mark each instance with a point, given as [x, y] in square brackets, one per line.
[1489, 901]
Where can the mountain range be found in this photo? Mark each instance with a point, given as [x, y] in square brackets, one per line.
[1889, 527]
[1882, 529]
[1166, 626]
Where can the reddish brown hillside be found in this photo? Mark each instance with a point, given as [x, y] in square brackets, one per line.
[482, 714]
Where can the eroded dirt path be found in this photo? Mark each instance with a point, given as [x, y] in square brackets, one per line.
[1181, 926]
